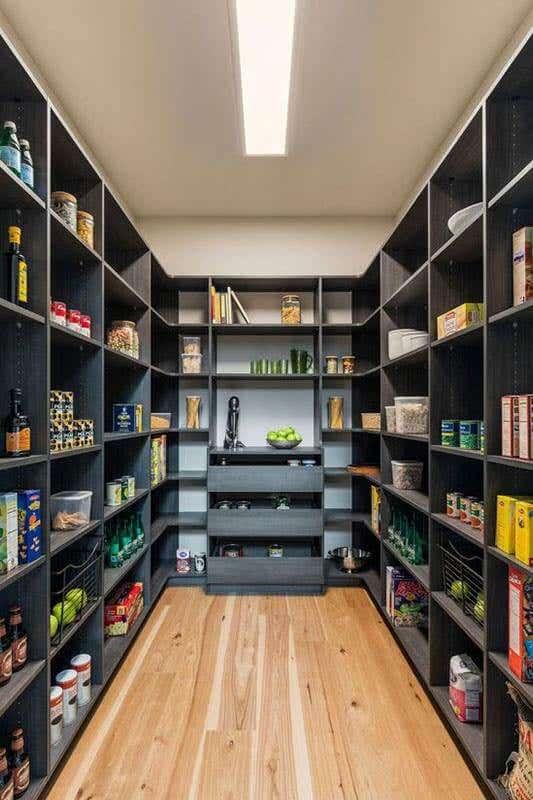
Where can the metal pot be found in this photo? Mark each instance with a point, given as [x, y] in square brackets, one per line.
[350, 559]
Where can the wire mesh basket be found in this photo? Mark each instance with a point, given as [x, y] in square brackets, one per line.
[462, 577]
[76, 586]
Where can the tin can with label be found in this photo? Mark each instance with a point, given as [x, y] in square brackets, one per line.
[453, 504]
[124, 488]
[183, 562]
[476, 514]
[58, 312]
[56, 714]
[81, 664]
[74, 320]
[85, 324]
[68, 681]
[131, 486]
[465, 509]
[113, 492]
[275, 551]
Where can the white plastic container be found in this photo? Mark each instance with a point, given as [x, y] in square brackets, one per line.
[407, 474]
[411, 414]
[395, 341]
[390, 418]
[67, 679]
[81, 664]
[56, 714]
[69, 510]
[411, 341]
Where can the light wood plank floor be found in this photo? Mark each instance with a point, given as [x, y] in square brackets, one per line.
[265, 698]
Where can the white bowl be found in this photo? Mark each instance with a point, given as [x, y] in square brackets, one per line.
[462, 219]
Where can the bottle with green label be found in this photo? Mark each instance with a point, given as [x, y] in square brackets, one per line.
[139, 530]
[10, 147]
[26, 163]
[125, 541]
[114, 553]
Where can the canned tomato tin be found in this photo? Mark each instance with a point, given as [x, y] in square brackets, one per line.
[68, 681]
[74, 320]
[476, 514]
[113, 492]
[466, 503]
[85, 324]
[81, 664]
[58, 312]
[275, 551]
[56, 714]
[453, 504]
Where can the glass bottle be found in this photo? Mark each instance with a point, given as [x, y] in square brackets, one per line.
[139, 530]
[10, 147]
[114, 550]
[18, 431]
[26, 163]
[125, 541]
[6, 655]
[16, 273]
[19, 638]
[6, 779]
[20, 763]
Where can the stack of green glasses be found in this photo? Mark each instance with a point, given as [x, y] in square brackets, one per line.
[266, 366]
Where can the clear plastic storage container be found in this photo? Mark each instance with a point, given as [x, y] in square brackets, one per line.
[411, 414]
[191, 364]
[395, 341]
[407, 474]
[412, 341]
[69, 510]
[390, 418]
[191, 345]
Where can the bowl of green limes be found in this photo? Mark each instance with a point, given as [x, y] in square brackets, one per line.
[284, 438]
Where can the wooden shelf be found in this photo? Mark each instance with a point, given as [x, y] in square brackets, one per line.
[416, 499]
[455, 525]
[117, 436]
[121, 360]
[14, 193]
[507, 461]
[469, 337]
[19, 683]
[519, 313]
[25, 461]
[12, 312]
[417, 356]
[62, 336]
[67, 243]
[75, 451]
[415, 437]
[112, 511]
[470, 736]
[463, 452]
[20, 572]
[510, 559]
[112, 577]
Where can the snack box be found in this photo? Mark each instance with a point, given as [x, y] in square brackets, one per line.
[525, 415]
[56, 406]
[67, 410]
[8, 532]
[520, 653]
[123, 608]
[457, 319]
[375, 498]
[523, 529]
[127, 417]
[465, 691]
[406, 599]
[505, 521]
[522, 265]
[29, 526]
[56, 436]
[510, 425]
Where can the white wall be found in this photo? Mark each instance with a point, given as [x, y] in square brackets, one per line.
[265, 246]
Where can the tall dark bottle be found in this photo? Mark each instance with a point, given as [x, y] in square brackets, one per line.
[6, 657]
[16, 269]
[19, 638]
[18, 429]
[20, 763]
[6, 779]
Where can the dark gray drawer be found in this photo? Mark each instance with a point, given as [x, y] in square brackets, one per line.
[269, 571]
[265, 522]
[264, 479]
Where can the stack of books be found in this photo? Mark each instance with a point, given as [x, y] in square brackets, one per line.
[225, 306]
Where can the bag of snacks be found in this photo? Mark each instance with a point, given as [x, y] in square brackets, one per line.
[518, 778]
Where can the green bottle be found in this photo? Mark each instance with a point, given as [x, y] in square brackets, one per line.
[133, 533]
[125, 541]
[10, 147]
[114, 553]
[139, 531]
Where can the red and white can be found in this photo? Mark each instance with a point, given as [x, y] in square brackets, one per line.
[58, 312]
[74, 320]
[82, 665]
[67, 679]
[56, 714]
[85, 322]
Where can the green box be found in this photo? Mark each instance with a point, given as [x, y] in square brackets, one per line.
[9, 543]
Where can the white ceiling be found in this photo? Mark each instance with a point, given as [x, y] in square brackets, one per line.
[377, 86]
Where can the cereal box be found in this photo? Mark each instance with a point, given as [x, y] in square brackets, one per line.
[522, 265]
[523, 529]
[29, 525]
[407, 600]
[510, 425]
[525, 408]
[457, 319]
[8, 532]
[127, 417]
[520, 654]
[123, 608]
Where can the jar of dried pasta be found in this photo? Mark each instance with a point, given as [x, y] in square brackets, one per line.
[85, 228]
[122, 336]
[291, 309]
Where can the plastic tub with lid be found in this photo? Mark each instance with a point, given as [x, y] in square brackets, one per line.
[411, 341]
[69, 510]
[395, 340]
[412, 414]
[407, 474]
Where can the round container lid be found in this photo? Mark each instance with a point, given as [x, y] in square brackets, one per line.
[56, 693]
[69, 198]
[86, 215]
[67, 677]
[81, 660]
[348, 357]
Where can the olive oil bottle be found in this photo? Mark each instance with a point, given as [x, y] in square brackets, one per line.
[16, 269]
[18, 430]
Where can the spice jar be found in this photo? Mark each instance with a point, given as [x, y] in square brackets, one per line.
[348, 365]
[85, 228]
[85, 322]
[332, 365]
[66, 206]
[123, 337]
[291, 309]
[74, 320]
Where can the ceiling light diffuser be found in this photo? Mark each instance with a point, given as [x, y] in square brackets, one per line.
[265, 32]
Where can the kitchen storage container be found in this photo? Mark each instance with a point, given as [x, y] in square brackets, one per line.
[407, 474]
[66, 206]
[160, 420]
[336, 413]
[123, 337]
[411, 341]
[191, 364]
[332, 365]
[85, 227]
[348, 365]
[371, 421]
[291, 309]
[191, 345]
[411, 414]
[390, 418]
[69, 510]
[395, 341]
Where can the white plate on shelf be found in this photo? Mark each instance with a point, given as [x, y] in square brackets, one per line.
[462, 218]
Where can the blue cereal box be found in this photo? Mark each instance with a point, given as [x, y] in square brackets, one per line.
[29, 525]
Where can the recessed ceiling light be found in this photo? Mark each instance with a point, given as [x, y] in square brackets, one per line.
[265, 31]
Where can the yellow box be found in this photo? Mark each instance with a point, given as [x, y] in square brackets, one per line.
[375, 498]
[505, 521]
[457, 319]
[524, 532]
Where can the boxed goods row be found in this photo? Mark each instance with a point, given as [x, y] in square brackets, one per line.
[71, 692]
[20, 528]
[514, 526]
[70, 318]
[67, 433]
[406, 600]
[122, 608]
[459, 319]
[517, 426]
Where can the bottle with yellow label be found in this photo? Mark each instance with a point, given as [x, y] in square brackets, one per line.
[16, 269]
[18, 430]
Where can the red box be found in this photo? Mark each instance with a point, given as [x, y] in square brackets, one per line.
[510, 426]
[123, 608]
[520, 655]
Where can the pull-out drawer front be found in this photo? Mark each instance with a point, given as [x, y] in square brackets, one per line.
[264, 479]
[268, 571]
[264, 522]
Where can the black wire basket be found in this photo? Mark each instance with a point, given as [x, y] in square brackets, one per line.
[462, 577]
[76, 584]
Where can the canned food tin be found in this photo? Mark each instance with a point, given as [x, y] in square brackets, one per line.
[81, 664]
[275, 551]
[113, 493]
[453, 504]
[67, 679]
[466, 503]
[85, 323]
[476, 514]
[74, 320]
[131, 486]
[124, 488]
[58, 312]
[56, 714]
[183, 562]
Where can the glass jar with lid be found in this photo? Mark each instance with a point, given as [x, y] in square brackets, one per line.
[122, 336]
[65, 206]
[291, 309]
